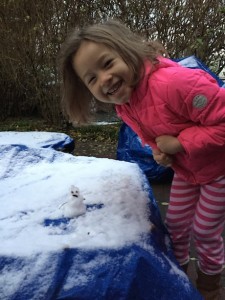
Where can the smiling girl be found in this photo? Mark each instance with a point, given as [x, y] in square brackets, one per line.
[179, 112]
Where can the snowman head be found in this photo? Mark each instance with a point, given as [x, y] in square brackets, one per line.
[75, 191]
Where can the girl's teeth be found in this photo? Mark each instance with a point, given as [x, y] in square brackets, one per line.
[114, 89]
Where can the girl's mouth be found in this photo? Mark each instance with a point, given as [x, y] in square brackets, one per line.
[115, 88]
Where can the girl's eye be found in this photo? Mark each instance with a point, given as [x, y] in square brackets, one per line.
[108, 63]
[91, 80]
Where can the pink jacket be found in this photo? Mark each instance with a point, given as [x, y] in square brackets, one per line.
[188, 104]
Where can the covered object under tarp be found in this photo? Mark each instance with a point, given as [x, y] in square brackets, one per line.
[115, 248]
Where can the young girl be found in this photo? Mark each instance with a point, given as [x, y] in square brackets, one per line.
[179, 112]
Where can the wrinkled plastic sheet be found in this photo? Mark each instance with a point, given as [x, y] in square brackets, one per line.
[145, 269]
[193, 62]
[130, 149]
[38, 139]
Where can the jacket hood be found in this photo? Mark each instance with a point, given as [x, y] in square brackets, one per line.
[142, 86]
[162, 63]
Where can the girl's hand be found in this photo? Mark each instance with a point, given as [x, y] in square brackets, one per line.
[168, 144]
[161, 158]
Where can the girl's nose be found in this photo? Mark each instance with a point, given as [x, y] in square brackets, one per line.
[104, 79]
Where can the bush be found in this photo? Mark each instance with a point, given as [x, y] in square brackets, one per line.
[32, 31]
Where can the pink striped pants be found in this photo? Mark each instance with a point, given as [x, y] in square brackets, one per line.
[198, 211]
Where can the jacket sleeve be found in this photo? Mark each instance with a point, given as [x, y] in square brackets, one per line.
[199, 100]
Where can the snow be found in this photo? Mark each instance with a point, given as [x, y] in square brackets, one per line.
[36, 185]
[35, 139]
[74, 206]
[69, 224]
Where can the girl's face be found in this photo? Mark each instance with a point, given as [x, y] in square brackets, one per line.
[103, 72]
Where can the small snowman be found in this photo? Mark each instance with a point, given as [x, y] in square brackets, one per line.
[75, 206]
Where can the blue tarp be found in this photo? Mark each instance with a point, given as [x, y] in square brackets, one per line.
[38, 139]
[45, 256]
[130, 149]
[193, 62]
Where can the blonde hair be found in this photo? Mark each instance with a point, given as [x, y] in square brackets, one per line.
[76, 98]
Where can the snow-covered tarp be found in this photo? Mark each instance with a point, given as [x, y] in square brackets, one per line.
[38, 139]
[82, 228]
